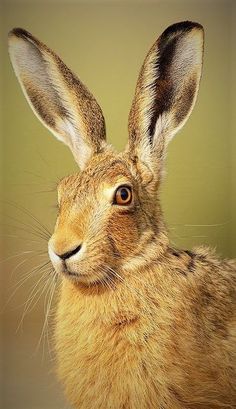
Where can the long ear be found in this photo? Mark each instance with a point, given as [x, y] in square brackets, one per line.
[165, 93]
[58, 98]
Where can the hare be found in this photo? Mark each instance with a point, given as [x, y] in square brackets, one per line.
[139, 324]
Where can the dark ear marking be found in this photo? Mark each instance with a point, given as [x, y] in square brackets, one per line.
[166, 91]
[186, 99]
[183, 26]
[164, 86]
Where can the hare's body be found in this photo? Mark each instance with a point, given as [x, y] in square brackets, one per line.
[140, 325]
[165, 338]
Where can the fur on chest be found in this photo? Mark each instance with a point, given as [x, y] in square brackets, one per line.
[106, 351]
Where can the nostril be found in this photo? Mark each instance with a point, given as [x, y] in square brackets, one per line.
[70, 253]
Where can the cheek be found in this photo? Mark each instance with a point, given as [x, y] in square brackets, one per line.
[123, 229]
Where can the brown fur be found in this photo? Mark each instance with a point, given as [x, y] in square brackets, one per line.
[139, 324]
[161, 336]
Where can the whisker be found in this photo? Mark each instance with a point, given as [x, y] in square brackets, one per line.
[207, 225]
[32, 297]
[30, 228]
[20, 264]
[17, 255]
[45, 191]
[24, 279]
[27, 212]
[51, 292]
[48, 272]
[30, 214]
[51, 181]
[14, 236]
[33, 227]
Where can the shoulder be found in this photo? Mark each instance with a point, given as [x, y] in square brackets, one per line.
[199, 260]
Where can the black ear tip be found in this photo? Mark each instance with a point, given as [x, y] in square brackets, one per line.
[19, 33]
[182, 27]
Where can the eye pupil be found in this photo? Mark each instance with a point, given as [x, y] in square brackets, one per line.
[124, 194]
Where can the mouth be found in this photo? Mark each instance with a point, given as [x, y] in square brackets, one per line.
[69, 273]
[78, 278]
[88, 279]
[86, 274]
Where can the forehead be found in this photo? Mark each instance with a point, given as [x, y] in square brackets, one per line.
[107, 171]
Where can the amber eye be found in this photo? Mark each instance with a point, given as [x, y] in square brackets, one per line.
[123, 195]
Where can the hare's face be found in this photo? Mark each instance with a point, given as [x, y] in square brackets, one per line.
[108, 214]
[101, 219]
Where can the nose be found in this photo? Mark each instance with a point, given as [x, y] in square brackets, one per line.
[70, 253]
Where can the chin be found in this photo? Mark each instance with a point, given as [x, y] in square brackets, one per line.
[92, 276]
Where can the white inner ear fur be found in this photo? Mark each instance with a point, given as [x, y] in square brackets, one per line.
[80, 149]
[189, 54]
[27, 61]
[36, 69]
[72, 128]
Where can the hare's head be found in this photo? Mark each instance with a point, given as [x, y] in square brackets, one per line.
[109, 215]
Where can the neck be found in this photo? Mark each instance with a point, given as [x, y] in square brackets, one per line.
[150, 249]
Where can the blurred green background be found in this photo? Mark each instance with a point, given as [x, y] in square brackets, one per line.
[105, 44]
